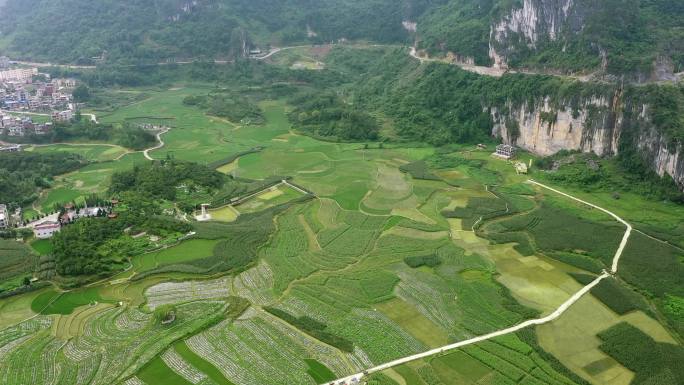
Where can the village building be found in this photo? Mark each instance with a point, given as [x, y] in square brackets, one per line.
[10, 148]
[4, 217]
[24, 75]
[46, 230]
[63, 116]
[505, 151]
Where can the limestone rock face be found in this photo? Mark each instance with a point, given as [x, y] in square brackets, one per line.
[535, 20]
[594, 127]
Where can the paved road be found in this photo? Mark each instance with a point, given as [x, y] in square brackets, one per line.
[356, 378]
[158, 146]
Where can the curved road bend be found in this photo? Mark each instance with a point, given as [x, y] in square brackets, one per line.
[356, 378]
[158, 146]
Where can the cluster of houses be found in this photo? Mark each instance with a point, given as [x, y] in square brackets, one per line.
[12, 125]
[20, 92]
[47, 227]
[7, 218]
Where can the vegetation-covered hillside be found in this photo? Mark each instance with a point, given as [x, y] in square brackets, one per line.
[79, 30]
[618, 36]
[560, 35]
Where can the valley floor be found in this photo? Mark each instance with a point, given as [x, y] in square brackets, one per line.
[383, 263]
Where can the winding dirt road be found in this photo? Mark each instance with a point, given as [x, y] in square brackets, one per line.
[158, 146]
[356, 378]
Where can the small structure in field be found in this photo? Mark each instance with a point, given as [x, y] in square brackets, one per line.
[204, 216]
[505, 151]
[520, 168]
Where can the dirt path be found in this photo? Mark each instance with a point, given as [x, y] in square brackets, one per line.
[355, 378]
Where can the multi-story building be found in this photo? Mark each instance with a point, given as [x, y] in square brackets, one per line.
[24, 75]
[63, 116]
[505, 151]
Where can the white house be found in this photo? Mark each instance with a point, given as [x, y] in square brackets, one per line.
[46, 229]
[4, 218]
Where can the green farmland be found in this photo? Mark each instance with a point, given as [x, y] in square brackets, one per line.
[379, 262]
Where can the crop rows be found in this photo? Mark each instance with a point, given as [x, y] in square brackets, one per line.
[252, 352]
[115, 342]
[176, 363]
[256, 284]
[370, 330]
[432, 299]
[179, 292]
[134, 381]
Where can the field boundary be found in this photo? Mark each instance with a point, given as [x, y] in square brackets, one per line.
[355, 378]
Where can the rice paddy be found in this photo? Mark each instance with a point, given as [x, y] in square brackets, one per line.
[336, 263]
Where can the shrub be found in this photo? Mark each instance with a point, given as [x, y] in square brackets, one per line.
[415, 262]
[313, 328]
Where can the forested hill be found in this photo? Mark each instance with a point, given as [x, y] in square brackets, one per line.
[134, 30]
[616, 37]
[643, 39]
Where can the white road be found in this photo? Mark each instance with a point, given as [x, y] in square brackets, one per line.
[356, 378]
[158, 146]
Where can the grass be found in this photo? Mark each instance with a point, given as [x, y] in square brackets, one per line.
[200, 363]
[93, 153]
[225, 214]
[273, 197]
[42, 246]
[185, 252]
[319, 372]
[156, 372]
[54, 303]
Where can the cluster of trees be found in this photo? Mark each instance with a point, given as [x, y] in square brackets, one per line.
[160, 180]
[327, 115]
[81, 129]
[234, 107]
[23, 174]
[417, 261]
[97, 246]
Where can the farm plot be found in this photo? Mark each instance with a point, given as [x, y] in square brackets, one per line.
[392, 191]
[114, 342]
[258, 348]
[94, 152]
[274, 196]
[187, 291]
[186, 251]
[17, 258]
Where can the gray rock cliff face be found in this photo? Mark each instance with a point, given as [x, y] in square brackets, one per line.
[595, 127]
[535, 21]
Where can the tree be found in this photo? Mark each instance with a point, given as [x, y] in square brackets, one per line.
[165, 314]
[26, 281]
[81, 94]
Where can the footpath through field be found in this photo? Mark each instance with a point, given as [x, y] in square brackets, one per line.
[356, 378]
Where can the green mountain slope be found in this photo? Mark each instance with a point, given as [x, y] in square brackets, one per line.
[615, 36]
[640, 38]
[72, 30]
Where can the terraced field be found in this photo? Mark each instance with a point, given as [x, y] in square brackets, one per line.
[376, 266]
